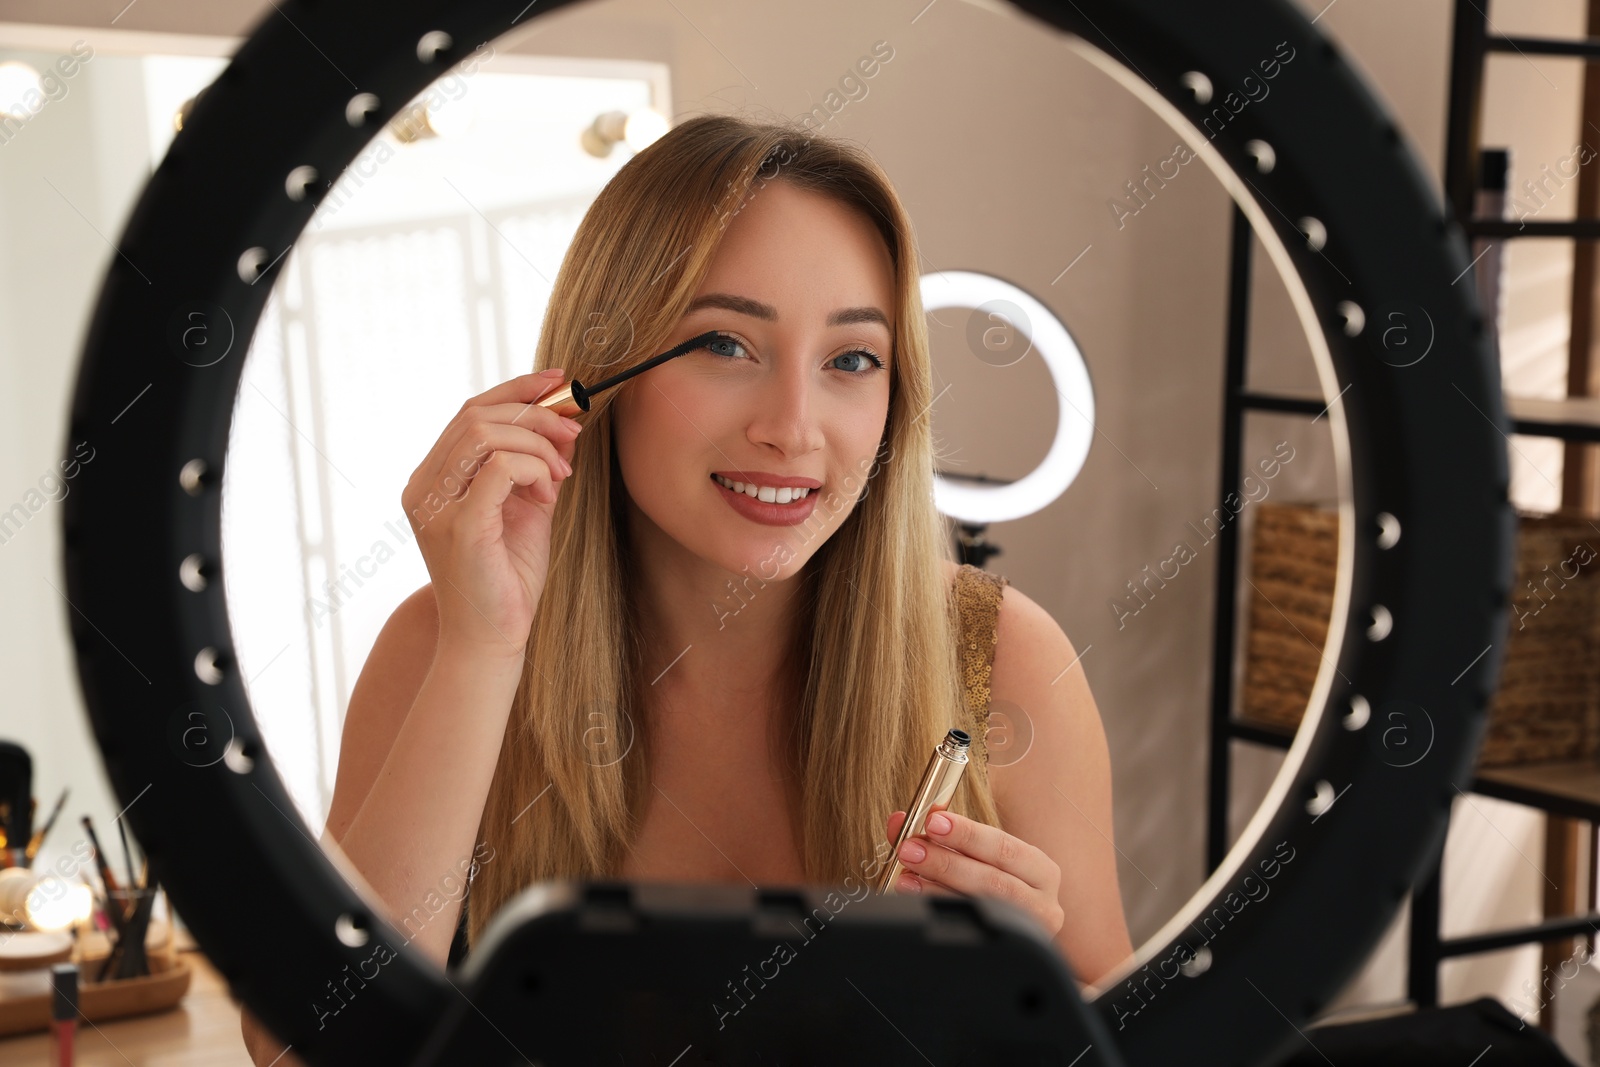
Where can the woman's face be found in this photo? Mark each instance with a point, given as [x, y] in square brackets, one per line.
[804, 288]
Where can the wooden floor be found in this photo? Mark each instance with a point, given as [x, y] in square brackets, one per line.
[202, 1031]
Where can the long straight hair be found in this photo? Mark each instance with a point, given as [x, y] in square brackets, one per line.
[877, 685]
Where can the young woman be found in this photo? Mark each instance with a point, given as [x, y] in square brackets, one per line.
[645, 654]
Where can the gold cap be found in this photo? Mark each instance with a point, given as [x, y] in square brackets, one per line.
[562, 402]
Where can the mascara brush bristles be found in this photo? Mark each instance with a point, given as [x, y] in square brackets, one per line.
[672, 353]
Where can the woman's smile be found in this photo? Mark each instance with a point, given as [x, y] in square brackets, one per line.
[767, 504]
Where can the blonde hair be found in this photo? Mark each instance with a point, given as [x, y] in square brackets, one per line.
[878, 685]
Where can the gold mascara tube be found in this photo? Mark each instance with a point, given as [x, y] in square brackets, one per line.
[938, 785]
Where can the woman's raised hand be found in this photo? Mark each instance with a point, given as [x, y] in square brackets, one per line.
[480, 504]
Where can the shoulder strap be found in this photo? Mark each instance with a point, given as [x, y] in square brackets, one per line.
[977, 597]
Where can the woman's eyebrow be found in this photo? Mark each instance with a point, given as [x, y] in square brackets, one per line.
[757, 310]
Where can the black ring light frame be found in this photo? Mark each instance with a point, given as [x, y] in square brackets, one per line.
[1424, 578]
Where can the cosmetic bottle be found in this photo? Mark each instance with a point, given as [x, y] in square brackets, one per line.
[938, 785]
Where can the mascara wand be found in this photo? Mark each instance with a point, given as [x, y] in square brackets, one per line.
[573, 397]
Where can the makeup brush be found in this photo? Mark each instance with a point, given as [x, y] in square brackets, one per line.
[127, 857]
[113, 912]
[108, 879]
[39, 834]
[573, 397]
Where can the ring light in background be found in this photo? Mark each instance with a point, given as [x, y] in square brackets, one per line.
[1000, 306]
[1425, 544]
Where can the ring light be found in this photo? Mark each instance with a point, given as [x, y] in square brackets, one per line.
[1008, 308]
[1344, 211]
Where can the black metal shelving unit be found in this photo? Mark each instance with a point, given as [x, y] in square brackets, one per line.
[1569, 789]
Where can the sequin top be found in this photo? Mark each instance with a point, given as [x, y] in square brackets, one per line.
[977, 595]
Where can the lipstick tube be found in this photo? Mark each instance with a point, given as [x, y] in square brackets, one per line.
[938, 785]
[63, 1014]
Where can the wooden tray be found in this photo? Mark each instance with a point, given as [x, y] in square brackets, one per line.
[160, 990]
[99, 1001]
[29, 950]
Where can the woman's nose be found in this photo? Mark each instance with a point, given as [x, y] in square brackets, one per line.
[785, 415]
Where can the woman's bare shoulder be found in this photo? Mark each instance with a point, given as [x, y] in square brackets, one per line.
[1031, 649]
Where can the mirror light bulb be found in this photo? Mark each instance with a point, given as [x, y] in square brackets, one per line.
[644, 127]
[16, 79]
[57, 905]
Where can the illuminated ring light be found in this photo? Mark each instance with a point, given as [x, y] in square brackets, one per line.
[1345, 214]
[1074, 425]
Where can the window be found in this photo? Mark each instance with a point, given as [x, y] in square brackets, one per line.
[421, 281]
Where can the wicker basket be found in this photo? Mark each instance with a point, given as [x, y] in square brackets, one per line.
[1547, 706]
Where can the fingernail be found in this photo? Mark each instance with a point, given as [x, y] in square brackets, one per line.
[554, 372]
[912, 852]
[572, 424]
[908, 884]
[938, 824]
[566, 468]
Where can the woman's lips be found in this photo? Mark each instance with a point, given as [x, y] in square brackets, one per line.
[790, 514]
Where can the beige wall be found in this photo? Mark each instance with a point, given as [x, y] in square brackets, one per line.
[1006, 147]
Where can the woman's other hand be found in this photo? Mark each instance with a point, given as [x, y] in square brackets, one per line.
[962, 856]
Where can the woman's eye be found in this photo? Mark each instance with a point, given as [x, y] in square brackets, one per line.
[863, 359]
[724, 346]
